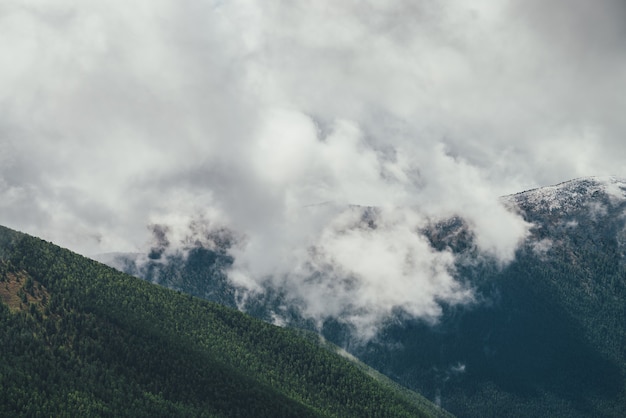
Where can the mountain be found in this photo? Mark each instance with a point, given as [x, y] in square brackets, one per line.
[82, 339]
[546, 337]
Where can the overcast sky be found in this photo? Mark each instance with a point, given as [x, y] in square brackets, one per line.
[270, 117]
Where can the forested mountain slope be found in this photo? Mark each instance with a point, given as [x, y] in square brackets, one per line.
[81, 339]
[546, 336]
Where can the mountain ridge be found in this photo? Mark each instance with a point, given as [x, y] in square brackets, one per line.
[107, 344]
[557, 309]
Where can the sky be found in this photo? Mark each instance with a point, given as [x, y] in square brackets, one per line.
[278, 121]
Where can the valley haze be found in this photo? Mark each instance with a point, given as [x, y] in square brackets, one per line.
[265, 128]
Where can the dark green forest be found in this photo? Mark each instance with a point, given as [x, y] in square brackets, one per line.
[546, 335]
[82, 339]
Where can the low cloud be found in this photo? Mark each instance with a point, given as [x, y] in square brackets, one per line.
[270, 120]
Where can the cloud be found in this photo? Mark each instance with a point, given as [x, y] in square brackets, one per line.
[271, 119]
[367, 264]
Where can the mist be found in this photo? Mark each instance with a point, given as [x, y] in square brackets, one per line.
[281, 122]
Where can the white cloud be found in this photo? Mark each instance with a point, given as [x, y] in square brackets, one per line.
[271, 117]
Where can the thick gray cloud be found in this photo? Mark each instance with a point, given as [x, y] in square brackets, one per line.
[271, 118]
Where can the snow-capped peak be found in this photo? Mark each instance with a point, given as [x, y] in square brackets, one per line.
[573, 193]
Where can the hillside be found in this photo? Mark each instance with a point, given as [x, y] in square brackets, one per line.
[547, 336]
[81, 339]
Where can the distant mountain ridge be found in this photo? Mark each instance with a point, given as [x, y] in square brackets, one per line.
[547, 338]
[572, 194]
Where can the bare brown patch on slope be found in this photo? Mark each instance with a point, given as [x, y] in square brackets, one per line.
[19, 291]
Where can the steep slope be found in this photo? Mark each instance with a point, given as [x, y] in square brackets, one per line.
[81, 339]
[547, 336]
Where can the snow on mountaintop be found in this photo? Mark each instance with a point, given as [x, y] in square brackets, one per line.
[572, 194]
